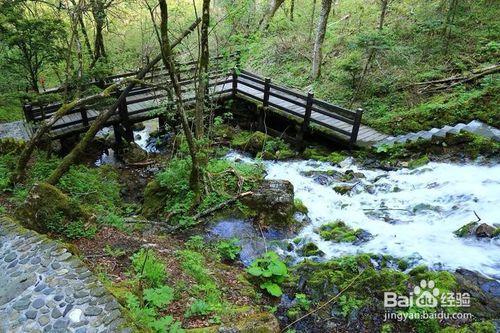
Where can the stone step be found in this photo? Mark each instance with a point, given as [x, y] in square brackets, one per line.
[442, 132]
[457, 128]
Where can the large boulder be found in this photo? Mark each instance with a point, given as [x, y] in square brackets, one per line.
[132, 153]
[154, 199]
[273, 201]
[48, 209]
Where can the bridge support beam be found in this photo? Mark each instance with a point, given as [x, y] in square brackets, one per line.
[118, 134]
[162, 125]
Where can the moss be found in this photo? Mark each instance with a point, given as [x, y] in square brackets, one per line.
[343, 189]
[466, 229]
[413, 164]
[477, 327]
[338, 232]
[48, 209]
[323, 155]
[263, 322]
[154, 199]
[248, 141]
[403, 264]
[444, 280]
[310, 249]
[299, 206]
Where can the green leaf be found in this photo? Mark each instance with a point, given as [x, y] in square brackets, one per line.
[278, 268]
[159, 297]
[254, 270]
[272, 288]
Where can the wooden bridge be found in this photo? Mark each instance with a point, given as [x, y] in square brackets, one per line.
[147, 102]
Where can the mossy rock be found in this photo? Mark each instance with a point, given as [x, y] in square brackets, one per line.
[225, 131]
[248, 141]
[133, 153]
[482, 230]
[47, 208]
[263, 322]
[154, 199]
[344, 189]
[323, 155]
[309, 250]
[299, 206]
[413, 164]
[339, 232]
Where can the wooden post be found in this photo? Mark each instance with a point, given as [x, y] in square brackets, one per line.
[162, 125]
[118, 134]
[307, 117]
[262, 116]
[123, 114]
[355, 126]
[28, 112]
[85, 118]
[267, 88]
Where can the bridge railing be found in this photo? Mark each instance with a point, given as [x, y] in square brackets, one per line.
[186, 75]
[300, 105]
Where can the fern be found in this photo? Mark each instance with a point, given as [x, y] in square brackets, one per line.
[159, 297]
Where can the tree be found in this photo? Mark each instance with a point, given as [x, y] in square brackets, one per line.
[274, 5]
[203, 76]
[37, 42]
[98, 9]
[169, 63]
[317, 56]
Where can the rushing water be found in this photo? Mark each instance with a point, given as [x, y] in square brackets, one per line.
[410, 213]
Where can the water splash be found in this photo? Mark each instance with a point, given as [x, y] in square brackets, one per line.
[410, 213]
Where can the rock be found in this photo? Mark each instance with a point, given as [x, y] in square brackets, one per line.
[482, 230]
[133, 153]
[138, 127]
[248, 141]
[154, 199]
[339, 232]
[263, 322]
[484, 291]
[310, 249]
[47, 207]
[274, 201]
[343, 189]
[485, 231]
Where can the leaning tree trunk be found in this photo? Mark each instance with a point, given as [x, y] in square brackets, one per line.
[311, 21]
[99, 14]
[274, 5]
[168, 62]
[20, 171]
[203, 77]
[69, 159]
[317, 56]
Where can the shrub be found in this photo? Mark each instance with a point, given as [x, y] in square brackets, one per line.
[229, 249]
[270, 271]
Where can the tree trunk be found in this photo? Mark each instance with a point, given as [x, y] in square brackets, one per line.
[371, 54]
[311, 21]
[20, 172]
[99, 14]
[274, 5]
[203, 78]
[168, 62]
[69, 159]
[292, 9]
[317, 56]
[85, 34]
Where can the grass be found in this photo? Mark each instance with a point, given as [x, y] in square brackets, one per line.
[10, 108]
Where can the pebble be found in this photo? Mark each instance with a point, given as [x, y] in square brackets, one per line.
[46, 282]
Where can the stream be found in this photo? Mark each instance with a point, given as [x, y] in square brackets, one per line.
[411, 214]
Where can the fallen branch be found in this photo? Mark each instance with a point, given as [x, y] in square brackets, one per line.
[222, 205]
[453, 81]
[324, 304]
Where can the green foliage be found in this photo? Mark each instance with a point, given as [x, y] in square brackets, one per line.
[148, 316]
[173, 194]
[270, 272]
[206, 289]
[148, 267]
[323, 155]
[78, 229]
[195, 243]
[198, 308]
[229, 249]
[299, 206]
